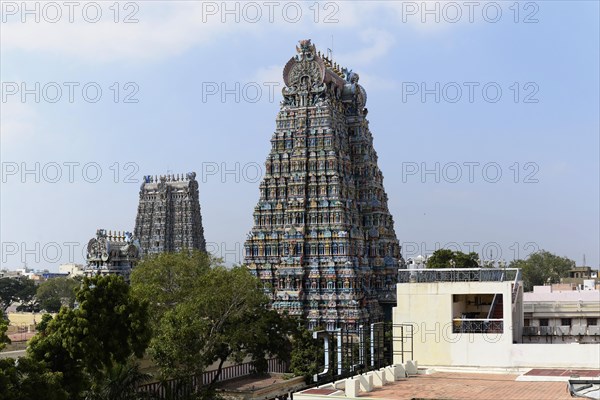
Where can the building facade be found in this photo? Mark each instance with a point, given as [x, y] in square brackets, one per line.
[323, 241]
[562, 316]
[578, 275]
[111, 253]
[475, 317]
[168, 217]
[71, 269]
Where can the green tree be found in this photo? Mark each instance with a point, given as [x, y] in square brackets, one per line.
[307, 355]
[82, 344]
[225, 319]
[206, 313]
[445, 258]
[16, 290]
[167, 279]
[120, 382]
[28, 379]
[440, 259]
[4, 340]
[57, 292]
[542, 268]
[41, 327]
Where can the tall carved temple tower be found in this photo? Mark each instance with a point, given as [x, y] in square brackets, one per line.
[168, 217]
[323, 240]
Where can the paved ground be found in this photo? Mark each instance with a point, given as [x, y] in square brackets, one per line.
[464, 386]
[251, 382]
[12, 354]
[582, 373]
[21, 337]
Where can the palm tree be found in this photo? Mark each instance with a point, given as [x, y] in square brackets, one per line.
[120, 382]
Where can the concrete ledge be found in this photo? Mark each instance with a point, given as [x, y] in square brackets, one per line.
[389, 373]
[366, 382]
[399, 372]
[352, 387]
[340, 384]
[379, 378]
[327, 386]
[476, 370]
[411, 368]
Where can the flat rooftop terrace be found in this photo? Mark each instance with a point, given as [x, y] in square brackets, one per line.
[469, 386]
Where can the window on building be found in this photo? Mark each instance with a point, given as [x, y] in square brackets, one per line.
[565, 321]
[543, 321]
[476, 313]
[592, 321]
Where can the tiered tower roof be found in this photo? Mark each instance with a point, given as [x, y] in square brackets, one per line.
[323, 240]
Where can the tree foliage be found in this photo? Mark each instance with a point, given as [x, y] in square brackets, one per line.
[225, 319]
[20, 290]
[43, 324]
[81, 344]
[307, 355]
[167, 279]
[208, 314]
[445, 258]
[28, 379]
[120, 382]
[4, 340]
[57, 292]
[542, 268]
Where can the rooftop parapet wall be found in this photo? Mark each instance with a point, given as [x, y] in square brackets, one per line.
[459, 275]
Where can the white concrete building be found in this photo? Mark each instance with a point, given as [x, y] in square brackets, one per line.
[71, 269]
[474, 318]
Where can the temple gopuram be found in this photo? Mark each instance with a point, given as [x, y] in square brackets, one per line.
[168, 217]
[323, 241]
[112, 253]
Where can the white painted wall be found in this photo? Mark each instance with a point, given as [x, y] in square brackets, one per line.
[428, 306]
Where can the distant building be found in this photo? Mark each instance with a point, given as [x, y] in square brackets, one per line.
[578, 275]
[71, 269]
[7, 273]
[112, 253]
[569, 316]
[44, 275]
[168, 217]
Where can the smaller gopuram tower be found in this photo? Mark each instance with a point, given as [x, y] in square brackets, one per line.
[168, 217]
[112, 253]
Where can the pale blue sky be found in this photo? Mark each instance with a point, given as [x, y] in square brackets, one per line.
[179, 50]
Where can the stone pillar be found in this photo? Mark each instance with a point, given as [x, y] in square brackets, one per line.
[366, 382]
[379, 378]
[352, 387]
[411, 368]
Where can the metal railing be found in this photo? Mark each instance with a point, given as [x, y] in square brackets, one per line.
[185, 387]
[477, 325]
[458, 275]
[494, 302]
[370, 347]
[516, 288]
[574, 330]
